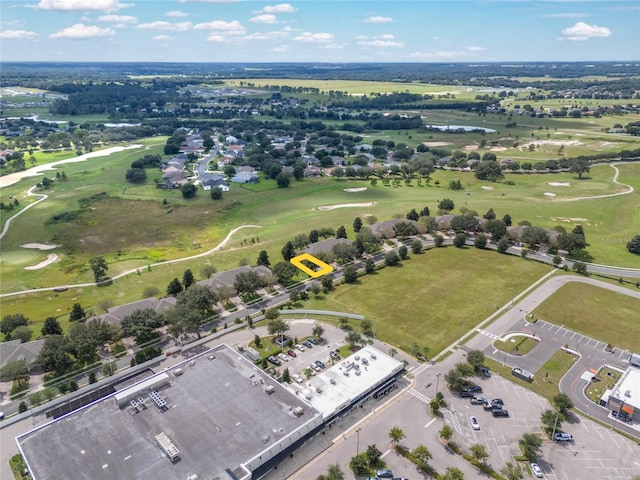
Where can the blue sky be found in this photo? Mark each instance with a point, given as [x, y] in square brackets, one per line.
[319, 30]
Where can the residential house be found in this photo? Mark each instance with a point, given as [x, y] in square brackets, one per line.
[228, 277]
[115, 314]
[312, 171]
[212, 181]
[15, 350]
[386, 229]
[244, 177]
[326, 245]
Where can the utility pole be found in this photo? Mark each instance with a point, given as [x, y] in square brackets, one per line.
[358, 442]
[554, 425]
[438, 383]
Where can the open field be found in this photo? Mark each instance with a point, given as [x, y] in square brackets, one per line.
[413, 302]
[608, 316]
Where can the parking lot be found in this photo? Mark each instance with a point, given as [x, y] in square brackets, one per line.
[305, 358]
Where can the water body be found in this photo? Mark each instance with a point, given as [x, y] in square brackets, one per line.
[466, 128]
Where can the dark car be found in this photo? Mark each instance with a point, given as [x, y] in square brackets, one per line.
[320, 364]
[312, 340]
[385, 473]
[307, 344]
[466, 394]
[497, 402]
[475, 389]
[485, 372]
[499, 412]
[274, 360]
[334, 355]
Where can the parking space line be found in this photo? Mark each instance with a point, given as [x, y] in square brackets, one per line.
[574, 334]
[427, 425]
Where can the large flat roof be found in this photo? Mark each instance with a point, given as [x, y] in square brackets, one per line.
[374, 367]
[218, 417]
[628, 387]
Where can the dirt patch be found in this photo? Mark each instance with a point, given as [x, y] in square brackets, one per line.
[498, 149]
[487, 187]
[549, 194]
[39, 246]
[351, 190]
[569, 220]
[435, 144]
[471, 147]
[345, 205]
[52, 257]
[559, 184]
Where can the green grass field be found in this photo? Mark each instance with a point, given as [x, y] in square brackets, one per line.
[601, 314]
[426, 299]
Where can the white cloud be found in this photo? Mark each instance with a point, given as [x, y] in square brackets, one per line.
[332, 46]
[17, 34]
[265, 35]
[161, 25]
[117, 19]
[81, 5]
[281, 49]
[230, 28]
[161, 38]
[81, 31]
[475, 48]
[378, 19]
[264, 18]
[280, 8]
[176, 14]
[583, 31]
[308, 37]
[383, 41]
[437, 55]
[565, 15]
[215, 37]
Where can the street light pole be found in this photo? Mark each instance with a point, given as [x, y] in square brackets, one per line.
[460, 332]
[358, 441]
[554, 425]
[438, 383]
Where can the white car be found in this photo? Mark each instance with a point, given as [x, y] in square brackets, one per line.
[283, 357]
[297, 378]
[474, 423]
[537, 471]
[315, 367]
[299, 347]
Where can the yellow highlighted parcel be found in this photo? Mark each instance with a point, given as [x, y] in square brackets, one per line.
[324, 267]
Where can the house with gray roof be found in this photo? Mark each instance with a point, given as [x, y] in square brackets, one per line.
[324, 246]
[15, 350]
[228, 277]
[386, 229]
[244, 177]
[115, 314]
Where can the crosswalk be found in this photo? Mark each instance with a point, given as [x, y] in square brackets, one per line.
[419, 396]
[488, 334]
[454, 418]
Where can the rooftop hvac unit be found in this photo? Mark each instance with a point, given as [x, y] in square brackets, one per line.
[298, 411]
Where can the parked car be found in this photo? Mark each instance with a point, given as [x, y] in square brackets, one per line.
[499, 412]
[475, 389]
[385, 473]
[297, 378]
[312, 340]
[497, 402]
[479, 401]
[274, 360]
[283, 357]
[485, 372]
[537, 471]
[292, 353]
[466, 394]
[563, 437]
[307, 344]
[474, 423]
[320, 364]
[315, 367]
[488, 407]
[334, 355]
[299, 347]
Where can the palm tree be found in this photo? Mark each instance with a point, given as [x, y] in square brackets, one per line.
[531, 444]
[479, 452]
[422, 454]
[393, 352]
[511, 471]
[396, 434]
[445, 433]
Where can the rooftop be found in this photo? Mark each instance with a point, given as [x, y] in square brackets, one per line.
[628, 387]
[217, 415]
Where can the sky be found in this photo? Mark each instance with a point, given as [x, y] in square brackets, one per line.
[319, 30]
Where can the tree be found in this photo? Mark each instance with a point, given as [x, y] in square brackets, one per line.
[246, 283]
[344, 252]
[446, 204]
[198, 298]
[445, 433]
[53, 356]
[479, 452]
[282, 180]
[507, 220]
[10, 322]
[341, 232]
[99, 267]
[318, 331]
[403, 252]
[77, 313]
[284, 271]
[350, 274]
[15, 370]
[136, 175]
[369, 266]
[391, 259]
[480, 241]
[580, 267]
[174, 287]
[150, 292]
[141, 324]
[496, 228]
[562, 402]
[51, 327]
[216, 193]
[489, 214]
[551, 420]
[438, 240]
[314, 236]
[455, 184]
[463, 223]
[278, 327]
[354, 339]
[416, 246]
[452, 473]
[512, 471]
[476, 359]
[288, 251]
[633, 245]
[183, 319]
[373, 454]
[579, 166]
[488, 170]
[503, 245]
[357, 224]
[207, 271]
[187, 278]
[327, 283]
[413, 215]
[457, 376]
[396, 434]
[460, 240]
[189, 190]
[530, 444]
[22, 333]
[534, 235]
[263, 259]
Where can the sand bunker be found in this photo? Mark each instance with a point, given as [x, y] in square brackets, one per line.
[435, 144]
[498, 149]
[559, 184]
[346, 205]
[39, 246]
[549, 194]
[359, 189]
[487, 187]
[52, 257]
